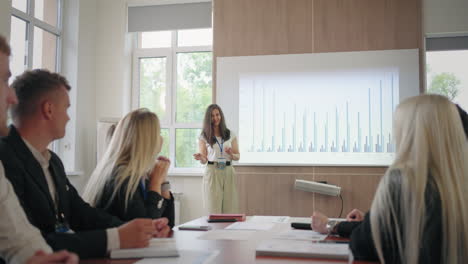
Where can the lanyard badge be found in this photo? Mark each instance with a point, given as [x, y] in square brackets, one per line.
[220, 161]
[61, 226]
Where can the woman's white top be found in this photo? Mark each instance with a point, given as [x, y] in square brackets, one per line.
[214, 152]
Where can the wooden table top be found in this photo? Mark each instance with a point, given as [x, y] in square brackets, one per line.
[230, 251]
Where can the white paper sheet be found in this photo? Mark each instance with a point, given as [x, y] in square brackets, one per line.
[268, 219]
[250, 226]
[158, 247]
[308, 235]
[301, 248]
[186, 256]
[222, 234]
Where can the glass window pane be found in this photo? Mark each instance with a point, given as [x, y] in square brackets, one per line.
[194, 89]
[165, 147]
[44, 50]
[153, 89]
[18, 47]
[157, 39]
[195, 37]
[186, 146]
[21, 5]
[447, 74]
[47, 11]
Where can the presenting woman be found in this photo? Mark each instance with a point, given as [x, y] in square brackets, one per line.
[129, 182]
[218, 147]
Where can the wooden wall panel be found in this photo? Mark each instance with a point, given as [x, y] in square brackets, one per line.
[268, 27]
[262, 27]
[355, 25]
[270, 190]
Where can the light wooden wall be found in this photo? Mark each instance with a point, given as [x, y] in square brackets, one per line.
[266, 27]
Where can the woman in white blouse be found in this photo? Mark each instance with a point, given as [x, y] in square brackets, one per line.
[218, 147]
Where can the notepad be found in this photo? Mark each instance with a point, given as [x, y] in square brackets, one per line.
[238, 217]
[159, 247]
[302, 249]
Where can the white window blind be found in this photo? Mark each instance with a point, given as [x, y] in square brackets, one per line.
[169, 17]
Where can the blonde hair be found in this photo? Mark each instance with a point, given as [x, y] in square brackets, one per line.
[431, 149]
[130, 156]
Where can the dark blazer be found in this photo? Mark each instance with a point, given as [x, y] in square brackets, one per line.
[154, 206]
[26, 175]
[362, 244]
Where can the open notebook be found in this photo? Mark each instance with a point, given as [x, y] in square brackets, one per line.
[159, 247]
[302, 249]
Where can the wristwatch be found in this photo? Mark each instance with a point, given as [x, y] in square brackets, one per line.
[331, 227]
[165, 186]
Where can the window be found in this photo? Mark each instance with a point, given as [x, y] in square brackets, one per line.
[35, 35]
[173, 78]
[447, 68]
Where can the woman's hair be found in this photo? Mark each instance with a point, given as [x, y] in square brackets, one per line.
[129, 157]
[208, 129]
[431, 148]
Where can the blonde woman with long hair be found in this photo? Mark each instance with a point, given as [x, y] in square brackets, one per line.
[129, 182]
[420, 210]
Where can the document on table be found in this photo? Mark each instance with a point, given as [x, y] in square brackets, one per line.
[222, 234]
[301, 248]
[159, 247]
[268, 219]
[295, 234]
[185, 256]
[250, 226]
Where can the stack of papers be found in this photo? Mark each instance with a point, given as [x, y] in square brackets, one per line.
[250, 226]
[302, 249]
[269, 219]
[222, 234]
[295, 234]
[159, 247]
[186, 256]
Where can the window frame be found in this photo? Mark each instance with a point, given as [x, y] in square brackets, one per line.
[31, 23]
[169, 122]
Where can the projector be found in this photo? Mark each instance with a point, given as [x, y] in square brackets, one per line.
[316, 187]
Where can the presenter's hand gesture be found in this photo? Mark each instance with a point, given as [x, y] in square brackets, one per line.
[228, 151]
[63, 256]
[199, 156]
[319, 222]
[136, 233]
[355, 215]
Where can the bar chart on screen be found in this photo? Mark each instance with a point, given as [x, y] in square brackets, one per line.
[339, 116]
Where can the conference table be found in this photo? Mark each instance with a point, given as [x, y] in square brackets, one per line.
[227, 251]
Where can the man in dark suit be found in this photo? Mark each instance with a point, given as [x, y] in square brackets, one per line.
[38, 176]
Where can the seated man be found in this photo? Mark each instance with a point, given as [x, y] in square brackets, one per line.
[38, 177]
[19, 240]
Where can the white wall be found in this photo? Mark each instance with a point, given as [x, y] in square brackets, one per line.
[5, 18]
[112, 60]
[442, 17]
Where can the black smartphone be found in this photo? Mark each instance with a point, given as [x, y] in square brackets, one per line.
[194, 227]
[305, 226]
[220, 220]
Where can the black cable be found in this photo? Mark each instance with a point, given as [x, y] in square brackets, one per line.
[341, 211]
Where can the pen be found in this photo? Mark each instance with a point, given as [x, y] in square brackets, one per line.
[332, 242]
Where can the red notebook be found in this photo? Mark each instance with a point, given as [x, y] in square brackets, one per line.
[238, 217]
